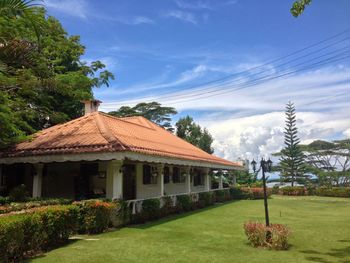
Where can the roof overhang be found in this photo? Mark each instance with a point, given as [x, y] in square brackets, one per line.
[107, 156]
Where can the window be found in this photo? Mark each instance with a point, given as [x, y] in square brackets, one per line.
[177, 176]
[149, 175]
[166, 175]
[198, 178]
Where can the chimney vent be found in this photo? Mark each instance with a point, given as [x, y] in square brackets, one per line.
[91, 106]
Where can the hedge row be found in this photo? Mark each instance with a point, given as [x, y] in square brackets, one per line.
[22, 235]
[7, 207]
[321, 191]
[152, 208]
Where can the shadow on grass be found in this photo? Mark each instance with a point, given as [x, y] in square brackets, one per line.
[339, 254]
[174, 217]
[43, 254]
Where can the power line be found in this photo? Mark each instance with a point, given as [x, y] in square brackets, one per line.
[266, 76]
[264, 79]
[267, 63]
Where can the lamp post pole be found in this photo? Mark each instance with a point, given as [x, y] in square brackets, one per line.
[265, 166]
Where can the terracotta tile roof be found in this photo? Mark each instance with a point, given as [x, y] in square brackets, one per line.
[100, 132]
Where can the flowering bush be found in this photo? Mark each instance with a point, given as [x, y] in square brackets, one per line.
[293, 190]
[26, 234]
[94, 216]
[13, 207]
[274, 237]
[334, 191]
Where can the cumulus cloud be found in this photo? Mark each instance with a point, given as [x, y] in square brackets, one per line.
[249, 122]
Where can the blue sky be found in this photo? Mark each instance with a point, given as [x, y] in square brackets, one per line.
[175, 47]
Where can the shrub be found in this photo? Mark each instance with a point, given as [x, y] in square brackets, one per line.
[94, 216]
[293, 190]
[151, 208]
[4, 200]
[33, 202]
[222, 195]
[120, 214]
[275, 190]
[334, 191]
[205, 199]
[26, 234]
[258, 193]
[274, 237]
[167, 207]
[19, 194]
[239, 193]
[184, 202]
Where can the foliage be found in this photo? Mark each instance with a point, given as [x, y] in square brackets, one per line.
[244, 177]
[222, 195]
[7, 206]
[151, 208]
[94, 216]
[329, 161]
[25, 234]
[299, 7]
[257, 235]
[206, 199]
[19, 194]
[153, 111]
[293, 190]
[188, 130]
[334, 191]
[42, 78]
[292, 164]
[184, 202]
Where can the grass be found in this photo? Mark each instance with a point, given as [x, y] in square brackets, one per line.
[320, 233]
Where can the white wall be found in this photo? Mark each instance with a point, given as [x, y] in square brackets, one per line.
[146, 190]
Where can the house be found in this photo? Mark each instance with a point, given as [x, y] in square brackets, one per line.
[101, 155]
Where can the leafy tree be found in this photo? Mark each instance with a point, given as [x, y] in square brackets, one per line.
[42, 80]
[153, 111]
[299, 6]
[329, 161]
[292, 163]
[188, 130]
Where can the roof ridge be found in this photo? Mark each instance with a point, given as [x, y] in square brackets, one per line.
[106, 133]
[123, 119]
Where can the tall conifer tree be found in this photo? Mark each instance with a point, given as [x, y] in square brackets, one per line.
[292, 158]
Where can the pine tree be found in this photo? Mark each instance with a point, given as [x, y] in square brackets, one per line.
[292, 158]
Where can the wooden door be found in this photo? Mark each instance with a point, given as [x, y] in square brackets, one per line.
[129, 182]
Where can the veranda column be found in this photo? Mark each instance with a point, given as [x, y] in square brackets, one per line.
[188, 179]
[206, 179]
[114, 181]
[220, 179]
[234, 179]
[38, 179]
[160, 168]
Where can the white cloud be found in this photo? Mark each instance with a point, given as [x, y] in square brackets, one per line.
[77, 8]
[192, 4]
[81, 9]
[133, 20]
[347, 133]
[249, 122]
[181, 15]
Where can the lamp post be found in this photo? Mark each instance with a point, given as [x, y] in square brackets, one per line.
[265, 166]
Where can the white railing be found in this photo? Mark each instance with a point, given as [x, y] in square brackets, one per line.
[136, 204]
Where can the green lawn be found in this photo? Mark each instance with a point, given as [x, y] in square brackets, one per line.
[320, 233]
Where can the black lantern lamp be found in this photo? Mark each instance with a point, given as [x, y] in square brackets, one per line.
[253, 163]
[269, 165]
